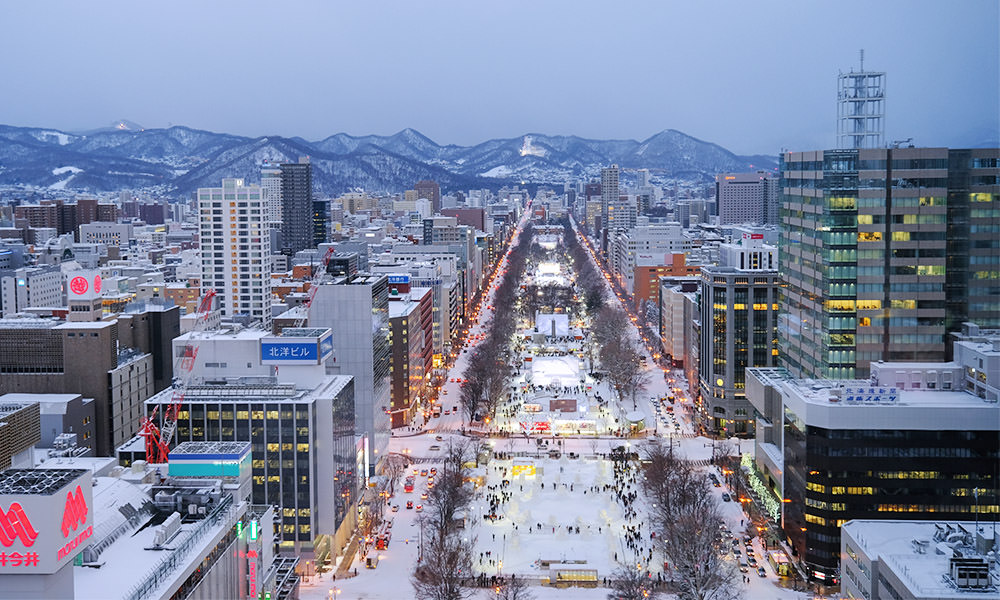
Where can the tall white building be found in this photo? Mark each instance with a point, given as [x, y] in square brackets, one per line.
[611, 204]
[270, 185]
[30, 286]
[650, 243]
[356, 309]
[642, 178]
[235, 249]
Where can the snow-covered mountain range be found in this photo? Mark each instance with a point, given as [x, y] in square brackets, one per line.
[178, 160]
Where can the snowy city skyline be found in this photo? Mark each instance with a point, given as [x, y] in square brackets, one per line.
[756, 78]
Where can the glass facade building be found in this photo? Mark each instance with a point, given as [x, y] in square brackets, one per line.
[883, 252]
[302, 448]
[739, 316]
[833, 451]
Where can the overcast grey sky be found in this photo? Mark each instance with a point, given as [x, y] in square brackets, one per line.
[754, 77]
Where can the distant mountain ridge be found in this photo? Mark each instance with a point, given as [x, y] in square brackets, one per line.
[178, 160]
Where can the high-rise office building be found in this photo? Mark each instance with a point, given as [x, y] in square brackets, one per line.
[739, 329]
[356, 309]
[884, 252]
[297, 230]
[320, 221]
[431, 191]
[270, 185]
[747, 198]
[611, 199]
[642, 178]
[861, 108]
[912, 441]
[235, 250]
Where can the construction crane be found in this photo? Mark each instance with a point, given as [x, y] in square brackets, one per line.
[158, 438]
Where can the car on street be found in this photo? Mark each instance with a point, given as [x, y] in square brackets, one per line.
[395, 508]
[434, 448]
[434, 471]
[437, 438]
[409, 504]
[725, 497]
[420, 508]
[423, 496]
[761, 572]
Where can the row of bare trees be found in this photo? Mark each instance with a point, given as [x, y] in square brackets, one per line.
[589, 280]
[444, 567]
[489, 369]
[620, 360]
[686, 519]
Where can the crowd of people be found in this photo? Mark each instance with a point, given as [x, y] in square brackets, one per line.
[626, 490]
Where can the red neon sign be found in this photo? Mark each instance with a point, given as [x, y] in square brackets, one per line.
[97, 283]
[14, 524]
[78, 285]
[75, 513]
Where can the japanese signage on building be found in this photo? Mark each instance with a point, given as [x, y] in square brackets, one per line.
[297, 350]
[41, 532]
[871, 394]
[83, 285]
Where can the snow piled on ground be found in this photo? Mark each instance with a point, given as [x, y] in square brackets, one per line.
[498, 171]
[61, 137]
[61, 170]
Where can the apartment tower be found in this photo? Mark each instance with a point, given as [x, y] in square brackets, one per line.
[235, 249]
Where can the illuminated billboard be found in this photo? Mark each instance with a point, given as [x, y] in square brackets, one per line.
[83, 284]
[46, 518]
[297, 346]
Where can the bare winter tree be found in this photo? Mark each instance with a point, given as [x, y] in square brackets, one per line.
[446, 565]
[446, 569]
[686, 518]
[623, 365]
[450, 496]
[611, 326]
[630, 583]
[514, 589]
[395, 466]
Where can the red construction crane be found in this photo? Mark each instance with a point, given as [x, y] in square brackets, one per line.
[158, 439]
